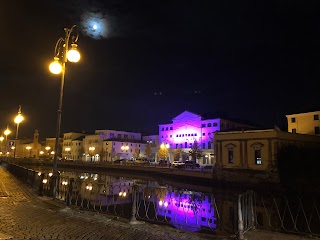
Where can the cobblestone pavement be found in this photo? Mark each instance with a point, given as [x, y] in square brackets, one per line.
[25, 215]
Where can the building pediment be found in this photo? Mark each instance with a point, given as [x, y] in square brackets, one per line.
[187, 116]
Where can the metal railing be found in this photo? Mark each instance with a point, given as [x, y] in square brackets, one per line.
[139, 200]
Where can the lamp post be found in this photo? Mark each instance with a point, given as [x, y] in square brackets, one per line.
[6, 133]
[48, 148]
[67, 149]
[18, 119]
[125, 148]
[1, 140]
[29, 149]
[91, 151]
[62, 54]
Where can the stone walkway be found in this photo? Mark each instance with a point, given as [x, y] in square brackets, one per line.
[25, 215]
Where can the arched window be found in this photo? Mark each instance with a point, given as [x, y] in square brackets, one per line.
[230, 150]
[257, 152]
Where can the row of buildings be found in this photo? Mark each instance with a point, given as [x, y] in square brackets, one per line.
[223, 142]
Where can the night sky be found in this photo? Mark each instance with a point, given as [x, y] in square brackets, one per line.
[250, 60]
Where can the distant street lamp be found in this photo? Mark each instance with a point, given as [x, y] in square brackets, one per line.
[18, 119]
[6, 133]
[67, 149]
[91, 151]
[29, 149]
[62, 54]
[1, 140]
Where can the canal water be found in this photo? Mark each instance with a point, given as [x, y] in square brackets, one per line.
[184, 206]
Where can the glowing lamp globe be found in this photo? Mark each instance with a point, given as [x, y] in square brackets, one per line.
[55, 67]
[7, 132]
[18, 119]
[73, 54]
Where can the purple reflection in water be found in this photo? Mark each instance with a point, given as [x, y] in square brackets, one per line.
[188, 211]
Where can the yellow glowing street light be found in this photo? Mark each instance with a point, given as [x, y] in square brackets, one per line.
[164, 145]
[55, 67]
[126, 148]
[1, 138]
[62, 55]
[73, 54]
[29, 149]
[18, 119]
[7, 132]
[67, 149]
[41, 152]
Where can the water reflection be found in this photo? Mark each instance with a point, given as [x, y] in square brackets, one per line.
[155, 201]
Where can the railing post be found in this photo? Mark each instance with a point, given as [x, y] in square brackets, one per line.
[253, 226]
[240, 220]
[133, 219]
[41, 184]
[69, 192]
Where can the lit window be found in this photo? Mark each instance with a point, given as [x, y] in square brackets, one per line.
[316, 117]
[293, 120]
[257, 156]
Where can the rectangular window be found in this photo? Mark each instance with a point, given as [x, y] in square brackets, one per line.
[294, 130]
[203, 125]
[166, 128]
[171, 136]
[125, 136]
[177, 145]
[162, 129]
[316, 117]
[190, 145]
[203, 145]
[316, 130]
[209, 145]
[185, 145]
[171, 128]
[119, 136]
[209, 125]
[293, 120]
[203, 134]
[230, 155]
[257, 156]
[180, 145]
[215, 124]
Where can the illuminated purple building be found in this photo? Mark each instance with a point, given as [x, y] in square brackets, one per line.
[188, 127]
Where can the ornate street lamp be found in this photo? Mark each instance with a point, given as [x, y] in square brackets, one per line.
[18, 119]
[62, 54]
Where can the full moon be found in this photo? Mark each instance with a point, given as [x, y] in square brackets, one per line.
[95, 27]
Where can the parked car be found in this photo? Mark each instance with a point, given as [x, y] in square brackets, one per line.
[164, 163]
[191, 164]
[142, 161]
[178, 164]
